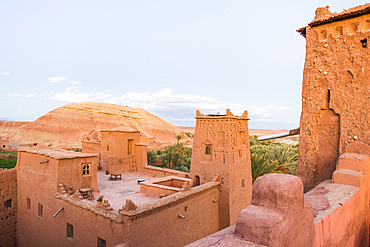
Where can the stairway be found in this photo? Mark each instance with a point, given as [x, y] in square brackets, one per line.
[351, 169]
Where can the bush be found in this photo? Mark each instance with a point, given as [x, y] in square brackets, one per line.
[272, 157]
[177, 157]
[151, 156]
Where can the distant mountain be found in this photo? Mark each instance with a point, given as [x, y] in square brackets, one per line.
[74, 122]
[5, 119]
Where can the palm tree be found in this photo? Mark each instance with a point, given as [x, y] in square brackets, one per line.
[178, 137]
[287, 159]
[261, 165]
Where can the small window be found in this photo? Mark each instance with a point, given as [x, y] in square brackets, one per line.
[69, 231]
[208, 149]
[243, 183]
[85, 169]
[364, 43]
[101, 242]
[3, 146]
[130, 147]
[40, 210]
[240, 153]
[8, 203]
[107, 147]
[28, 203]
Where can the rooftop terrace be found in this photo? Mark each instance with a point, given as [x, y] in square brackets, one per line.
[117, 191]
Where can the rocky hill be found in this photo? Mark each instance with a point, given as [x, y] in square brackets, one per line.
[74, 122]
[8, 128]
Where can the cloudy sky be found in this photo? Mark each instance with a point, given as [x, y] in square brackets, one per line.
[168, 57]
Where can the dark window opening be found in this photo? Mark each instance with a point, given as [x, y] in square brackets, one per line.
[243, 183]
[85, 169]
[8, 203]
[107, 147]
[28, 203]
[196, 181]
[3, 146]
[69, 231]
[101, 242]
[364, 43]
[40, 210]
[208, 149]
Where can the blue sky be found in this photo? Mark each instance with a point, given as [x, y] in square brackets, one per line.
[168, 57]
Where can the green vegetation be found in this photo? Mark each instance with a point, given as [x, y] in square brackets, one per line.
[152, 156]
[8, 160]
[272, 157]
[178, 137]
[177, 157]
[189, 134]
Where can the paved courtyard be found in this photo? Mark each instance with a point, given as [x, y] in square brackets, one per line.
[117, 191]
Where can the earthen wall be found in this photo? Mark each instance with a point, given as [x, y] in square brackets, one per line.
[181, 221]
[8, 207]
[221, 146]
[335, 95]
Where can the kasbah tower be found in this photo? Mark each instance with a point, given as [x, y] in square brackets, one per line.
[221, 147]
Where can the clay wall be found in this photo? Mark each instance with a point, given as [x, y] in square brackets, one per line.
[162, 172]
[114, 150]
[334, 94]
[180, 220]
[39, 174]
[91, 147]
[8, 207]
[4, 143]
[226, 138]
[70, 173]
[147, 140]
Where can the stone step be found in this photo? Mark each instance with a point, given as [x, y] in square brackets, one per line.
[352, 161]
[348, 177]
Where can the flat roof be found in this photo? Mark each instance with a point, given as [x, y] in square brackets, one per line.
[118, 191]
[57, 153]
[333, 17]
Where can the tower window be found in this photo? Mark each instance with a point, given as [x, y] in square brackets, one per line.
[243, 183]
[8, 203]
[69, 231]
[40, 210]
[107, 147]
[28, 203]
[85, 169]
[208, 149]
[364, 43]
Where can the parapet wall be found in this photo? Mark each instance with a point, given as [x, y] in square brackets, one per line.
[162, 172]
[179, 219]
[175, 220]
[8, 207]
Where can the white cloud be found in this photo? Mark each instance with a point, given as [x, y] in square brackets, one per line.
[56, 79]
[72, 94]
[75, 82]
[6, 73]
[31, 95]
[175, 107]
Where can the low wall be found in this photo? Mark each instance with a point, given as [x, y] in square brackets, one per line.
[178, 219]
[167, 185]
[162, 172]
[8, 207]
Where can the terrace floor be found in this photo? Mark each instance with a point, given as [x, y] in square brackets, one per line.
[117, 191]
